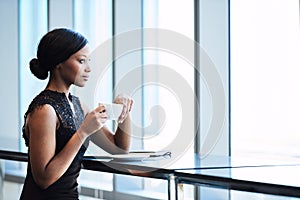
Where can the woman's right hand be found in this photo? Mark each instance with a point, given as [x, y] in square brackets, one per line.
[93, 122]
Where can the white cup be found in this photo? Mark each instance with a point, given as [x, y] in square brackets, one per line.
[113, 110]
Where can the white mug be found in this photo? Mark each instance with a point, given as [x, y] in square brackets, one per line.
[113, 110]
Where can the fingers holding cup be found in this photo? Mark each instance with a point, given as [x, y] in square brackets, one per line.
[101, 109]
[127, 103]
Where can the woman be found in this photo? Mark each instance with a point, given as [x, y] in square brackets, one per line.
[57, 127]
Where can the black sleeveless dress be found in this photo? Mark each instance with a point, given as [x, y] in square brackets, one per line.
[65, 188]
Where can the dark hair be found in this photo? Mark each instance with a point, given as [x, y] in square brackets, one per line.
[55, 47]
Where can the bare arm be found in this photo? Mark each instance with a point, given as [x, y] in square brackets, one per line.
[46, 166]
[117, 143]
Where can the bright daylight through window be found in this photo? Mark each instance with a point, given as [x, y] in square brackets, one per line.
[265, 84]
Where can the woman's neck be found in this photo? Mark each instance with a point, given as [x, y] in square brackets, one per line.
[57, 84]
[58, 88]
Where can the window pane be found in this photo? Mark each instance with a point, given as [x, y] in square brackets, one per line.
[33, 25]
[182, 24]
[265, 77]
[157, 94]
[9, 130]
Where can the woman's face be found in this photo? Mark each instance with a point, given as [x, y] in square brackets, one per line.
[76, 69]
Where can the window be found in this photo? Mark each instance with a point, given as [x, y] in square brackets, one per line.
[158, 15]
[33, 25]
[265, 78]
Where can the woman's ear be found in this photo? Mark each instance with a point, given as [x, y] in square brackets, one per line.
[58, 66]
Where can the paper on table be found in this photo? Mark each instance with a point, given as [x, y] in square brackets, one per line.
[141, 155]
[134, 156]
[165, 154]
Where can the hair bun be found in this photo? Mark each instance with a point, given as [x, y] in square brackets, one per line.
[37, 70]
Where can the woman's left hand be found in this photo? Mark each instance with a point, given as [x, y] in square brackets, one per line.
[127, 103]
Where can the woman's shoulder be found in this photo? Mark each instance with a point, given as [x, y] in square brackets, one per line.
[45, 97]
[45, 111]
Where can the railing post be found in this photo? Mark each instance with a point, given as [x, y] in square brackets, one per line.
[172, 187]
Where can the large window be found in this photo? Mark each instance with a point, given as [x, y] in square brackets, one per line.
[264, 62]
[265, 49]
